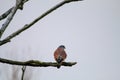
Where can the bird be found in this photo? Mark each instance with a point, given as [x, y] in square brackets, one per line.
[60, 55]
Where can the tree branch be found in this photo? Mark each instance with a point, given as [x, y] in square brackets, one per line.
[9, 19]
[4, 15]
[35, 63]
[10, 13]
[7, 39]
[23, 72]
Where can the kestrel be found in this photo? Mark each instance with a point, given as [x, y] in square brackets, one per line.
[60, 55]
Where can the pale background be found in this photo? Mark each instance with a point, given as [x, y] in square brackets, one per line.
[89, 29]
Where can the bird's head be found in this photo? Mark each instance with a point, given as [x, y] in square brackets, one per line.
[62, 46]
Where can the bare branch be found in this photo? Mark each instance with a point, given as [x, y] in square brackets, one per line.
[23, 72]
[36, 63]
[10, 17]
[7, 39]
[10, 13]
[4, 15]
[21, 3]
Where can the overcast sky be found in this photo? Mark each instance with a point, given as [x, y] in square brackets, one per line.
[89, 29]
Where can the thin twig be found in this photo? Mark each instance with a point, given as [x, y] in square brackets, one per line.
[35, 63]
[7, 39]
[4, 15]
[23, 72]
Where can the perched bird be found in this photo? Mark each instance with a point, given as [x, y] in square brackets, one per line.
[60, 55]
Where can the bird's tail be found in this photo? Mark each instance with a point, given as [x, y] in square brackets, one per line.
[59, 65]
[59, 60]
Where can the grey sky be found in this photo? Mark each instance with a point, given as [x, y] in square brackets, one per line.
[90, 30]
